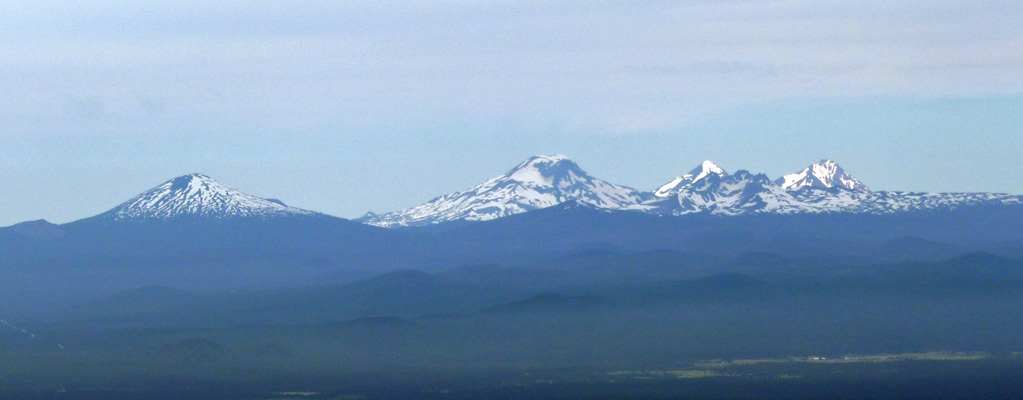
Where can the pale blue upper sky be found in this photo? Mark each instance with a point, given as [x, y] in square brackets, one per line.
[344, 107]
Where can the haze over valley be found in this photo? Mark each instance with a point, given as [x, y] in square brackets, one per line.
[542, 269]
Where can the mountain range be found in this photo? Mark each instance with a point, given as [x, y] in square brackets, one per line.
[198, 232]
[544, 181]
[545, 240]
[544, 268]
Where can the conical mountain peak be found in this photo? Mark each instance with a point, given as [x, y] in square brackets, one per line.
[548, 158]
[706, 168]
[195, 183]
[547, 170]
[197, 195]
[538, 182]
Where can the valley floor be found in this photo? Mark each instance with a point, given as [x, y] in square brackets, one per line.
[918, 376]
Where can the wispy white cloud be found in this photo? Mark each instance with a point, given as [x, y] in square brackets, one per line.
[585, 60]
[95, 82]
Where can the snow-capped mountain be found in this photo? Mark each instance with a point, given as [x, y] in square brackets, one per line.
[826, 175]
[740, 193]
[823, 187]
[705, 169]
[539, 182]
[198, 195]
[545, 181]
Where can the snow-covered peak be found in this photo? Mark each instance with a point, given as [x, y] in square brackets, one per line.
[545, 170]
[546, 181]
[538, 182]
[547, 158]
[198, 195]
[825, 174]
[705, 169]
[740, 193]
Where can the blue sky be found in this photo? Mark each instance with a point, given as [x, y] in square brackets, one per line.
[344, 107]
